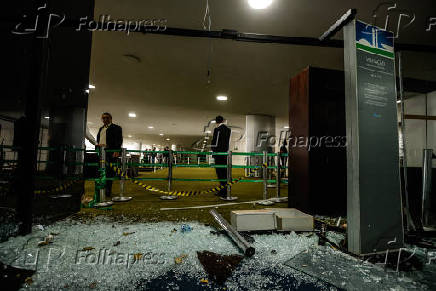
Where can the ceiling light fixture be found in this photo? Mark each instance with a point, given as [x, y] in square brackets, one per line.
[221, 98]
[167, 139]
[47, 117]
[87, 91]
[161, 134]
[132, 114]
[151, 127]
[129, 135]
[208, 131]
[259, 4]
[286, 127]
[91, 86]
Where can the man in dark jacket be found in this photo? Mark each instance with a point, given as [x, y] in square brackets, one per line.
[110, 136]
[220, 143]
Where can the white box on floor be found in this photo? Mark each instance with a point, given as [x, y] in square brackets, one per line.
[291, 219]
[253, 220]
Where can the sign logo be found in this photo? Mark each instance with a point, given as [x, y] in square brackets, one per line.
[374, 40]
[41, 25]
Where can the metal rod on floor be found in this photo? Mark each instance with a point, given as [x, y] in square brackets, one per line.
[246, 247]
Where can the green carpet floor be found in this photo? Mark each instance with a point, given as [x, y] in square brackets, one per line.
[146, 205]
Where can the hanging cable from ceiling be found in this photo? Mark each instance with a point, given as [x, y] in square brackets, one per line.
[207, 23]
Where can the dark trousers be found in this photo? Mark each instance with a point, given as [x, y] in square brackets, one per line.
[110, 173]
[221, 173]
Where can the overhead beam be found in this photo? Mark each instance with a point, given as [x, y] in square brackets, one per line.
[419, 117]
[9, 24]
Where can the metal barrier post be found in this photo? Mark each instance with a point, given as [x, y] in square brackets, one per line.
[265, 180]
[102, 188]
[170, 177]
[426, 185]
[65, 170]
[121, 198]
[229, 178]
[246, 169]
[270, 162]
[279, 174]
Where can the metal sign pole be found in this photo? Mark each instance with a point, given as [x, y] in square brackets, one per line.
[121, 198]
[229, 178]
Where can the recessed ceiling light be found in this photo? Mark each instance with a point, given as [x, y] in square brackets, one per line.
[47, 117]
[286, 127]
[167, 139]
[91, 86]
[87, 91]
[161, 134]
[221, 98]
[259, 4]
[151, 127]
[132, 114]
[129, 135]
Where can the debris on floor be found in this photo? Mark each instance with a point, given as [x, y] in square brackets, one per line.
[84, 253]
[12, 278]
[219, 267]
[185, 228]
[47, 240]
[179, 259]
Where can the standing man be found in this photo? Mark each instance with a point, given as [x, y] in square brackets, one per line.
[220, 143]
[110, 137]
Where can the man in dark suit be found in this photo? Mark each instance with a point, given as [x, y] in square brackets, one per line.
[220, 143]
[110, 136]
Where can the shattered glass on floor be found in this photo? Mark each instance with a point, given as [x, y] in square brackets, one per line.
[102, 255]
